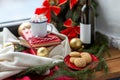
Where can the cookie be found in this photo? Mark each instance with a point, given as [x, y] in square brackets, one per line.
[72, 59]
[80, 62]
[86, 56]
[74, 54]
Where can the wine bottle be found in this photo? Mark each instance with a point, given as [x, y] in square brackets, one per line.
[87, 32]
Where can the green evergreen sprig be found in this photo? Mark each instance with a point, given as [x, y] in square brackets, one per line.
[78, 75]
[98, 49]
[18, 47]
[38, 70]
[67, 13]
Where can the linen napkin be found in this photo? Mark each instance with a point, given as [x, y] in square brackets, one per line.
[12, 62]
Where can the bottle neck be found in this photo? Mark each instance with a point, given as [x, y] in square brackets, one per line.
[88, 2]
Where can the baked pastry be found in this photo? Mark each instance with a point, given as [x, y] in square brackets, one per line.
[72, 59]
[80, 59]
[35, 42]
[74, 54]
[80, 62]
[86, 56]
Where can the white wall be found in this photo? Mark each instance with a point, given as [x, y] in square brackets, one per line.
[108, 20]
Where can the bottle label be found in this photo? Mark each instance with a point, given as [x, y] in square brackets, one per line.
[85, 33]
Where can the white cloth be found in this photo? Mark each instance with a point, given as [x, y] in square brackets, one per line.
[14, 62]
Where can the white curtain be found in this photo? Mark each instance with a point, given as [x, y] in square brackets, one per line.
[108, 21]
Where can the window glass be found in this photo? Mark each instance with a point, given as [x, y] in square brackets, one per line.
[15, 10]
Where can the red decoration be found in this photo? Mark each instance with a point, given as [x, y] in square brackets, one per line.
[47, 8]
[71, 31]
[36, 42]
[68, 23]
[62, 2]
[36, 77]
[24, 78]
[40, 78]
[72, 3]
[91, 66]
[30, 51]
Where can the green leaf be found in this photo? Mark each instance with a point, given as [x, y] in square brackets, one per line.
[100, 52]
[40, 69]
[69, 14]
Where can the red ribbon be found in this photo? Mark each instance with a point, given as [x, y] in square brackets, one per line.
[71, 31]
[47, 8]
[61, 2]
[72, 3]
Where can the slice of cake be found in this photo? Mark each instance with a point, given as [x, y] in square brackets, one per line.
[35, 42]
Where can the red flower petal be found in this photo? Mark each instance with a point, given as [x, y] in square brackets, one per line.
[72, 33]
[68, 23]
[77, 29]
[55, 9]
[40, 10]
[72, 3]
[46, 3]
[62, 2]
[66, 31]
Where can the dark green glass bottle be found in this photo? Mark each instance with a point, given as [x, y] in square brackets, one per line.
[87, 24]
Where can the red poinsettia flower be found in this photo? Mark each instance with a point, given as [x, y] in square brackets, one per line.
[62, 2]
[72, 3]
[71, 31]
[47, 8]
[68, 23]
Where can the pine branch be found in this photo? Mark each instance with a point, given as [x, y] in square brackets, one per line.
[99, 49]
[105, 67]
[101, 45]
[39, 70]
[100, 52]
[102, 66]
[65, 71]
[19, 48]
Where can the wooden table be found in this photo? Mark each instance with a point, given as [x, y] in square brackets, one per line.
[113, 63]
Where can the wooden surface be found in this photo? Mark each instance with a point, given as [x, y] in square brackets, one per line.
[113, 63]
